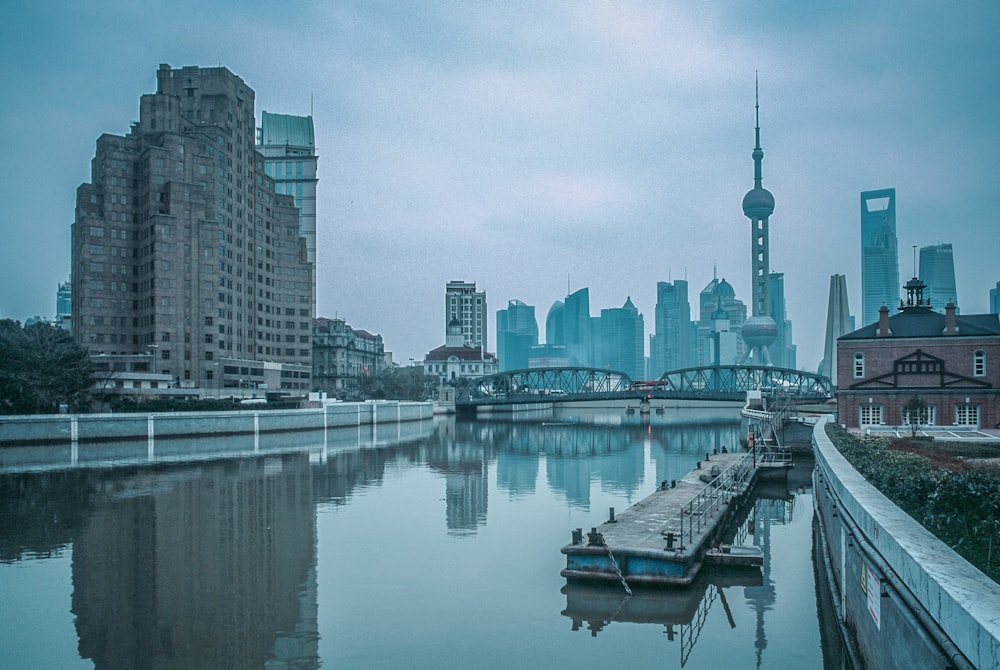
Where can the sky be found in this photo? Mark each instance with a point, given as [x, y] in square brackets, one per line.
[538, 147]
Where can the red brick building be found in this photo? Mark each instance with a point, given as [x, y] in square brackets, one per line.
[950, 361]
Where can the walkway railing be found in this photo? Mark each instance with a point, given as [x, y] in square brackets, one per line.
[709, 501]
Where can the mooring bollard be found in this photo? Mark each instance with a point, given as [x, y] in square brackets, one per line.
[577, 535]
[670, 540]
[611, 515]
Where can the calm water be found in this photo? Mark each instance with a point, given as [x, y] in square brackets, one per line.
[432, 546]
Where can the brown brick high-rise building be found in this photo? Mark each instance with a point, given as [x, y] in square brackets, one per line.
[183, 250]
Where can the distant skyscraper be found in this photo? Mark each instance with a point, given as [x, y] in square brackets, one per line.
[783, 349]
[576, 327]
[995, 299]
[838, 322]
[183, 249]
[517, 333]
[622, 348]
[760, 330]
[64, 306]
[670, 346]
[937, 271]
[879, 255]
[554, 331]
[288, 144]
[463, 302]
[719, 295]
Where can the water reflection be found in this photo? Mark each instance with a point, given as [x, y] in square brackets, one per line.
[261, 560]
[683, 611]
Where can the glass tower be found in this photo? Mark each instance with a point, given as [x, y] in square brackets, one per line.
[879, 255]
[937, 271]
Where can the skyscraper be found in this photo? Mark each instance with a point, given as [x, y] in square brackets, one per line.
[64, 306]
[622, 331]
[288, 144]
[182, 247]
[517, 333]
[783, 351]
[995, 299]
[838, 322]
[719, 295]
[576, 327]
[463, 302]
[554, 331]
[760, 330]
[937, 271]
[670, 346]
[879, 255]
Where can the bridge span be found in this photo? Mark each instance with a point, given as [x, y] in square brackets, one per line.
[565, 384]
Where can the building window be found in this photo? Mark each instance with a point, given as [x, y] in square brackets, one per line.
[859, 365]
[966, 415]
[979, 363]
[871, 415]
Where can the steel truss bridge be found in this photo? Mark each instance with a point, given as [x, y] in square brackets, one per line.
[537, 385]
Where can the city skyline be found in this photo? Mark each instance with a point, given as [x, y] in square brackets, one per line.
[527, 147]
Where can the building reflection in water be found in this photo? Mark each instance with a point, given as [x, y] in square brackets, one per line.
[683, 611]
[210, 567]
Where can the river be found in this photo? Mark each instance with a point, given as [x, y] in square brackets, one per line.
[432, 545]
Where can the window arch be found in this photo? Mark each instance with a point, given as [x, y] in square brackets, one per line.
[979, 363]
[859, 365]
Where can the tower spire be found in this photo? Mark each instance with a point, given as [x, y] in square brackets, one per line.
[758, 153]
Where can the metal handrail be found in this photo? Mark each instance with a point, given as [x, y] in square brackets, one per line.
[708, 501]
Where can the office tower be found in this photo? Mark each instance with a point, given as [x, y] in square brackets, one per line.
[838, 322]
[719, 294]
[288, 145]
[760, 330]
[879, 256]
[463, 302]
[183, 249]
[670, 346]
[577, 327]
[937, 271]
[995, 299]
[517, 333]
[64, 306]
[622, 349]
[783, 349]
[554, 331]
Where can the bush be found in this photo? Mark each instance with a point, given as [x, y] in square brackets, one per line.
[961, 508]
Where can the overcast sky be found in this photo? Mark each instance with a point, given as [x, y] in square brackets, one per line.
[528, 146]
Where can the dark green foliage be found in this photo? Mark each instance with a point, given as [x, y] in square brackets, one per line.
[399, 384]
[41, 368]
[175, 405]
[962, 508]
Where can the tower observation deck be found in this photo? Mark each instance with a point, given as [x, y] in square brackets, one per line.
[760, 330]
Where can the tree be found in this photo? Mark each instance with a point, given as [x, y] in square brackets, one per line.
[915, 411]
[399, 384]
[41, 368]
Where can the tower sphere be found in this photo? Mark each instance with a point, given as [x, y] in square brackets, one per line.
[758, 203]
[760, 330]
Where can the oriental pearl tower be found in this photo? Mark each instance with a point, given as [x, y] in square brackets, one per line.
[760, 330]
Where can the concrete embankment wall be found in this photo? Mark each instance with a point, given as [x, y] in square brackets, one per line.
[907, 600]
[67, 428]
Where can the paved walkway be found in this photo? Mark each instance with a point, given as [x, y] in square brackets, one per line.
[951, 433]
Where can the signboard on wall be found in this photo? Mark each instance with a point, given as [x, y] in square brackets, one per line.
[872, 588]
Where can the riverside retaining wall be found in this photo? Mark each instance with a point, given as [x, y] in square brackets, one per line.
[906, 599]
[68, 428]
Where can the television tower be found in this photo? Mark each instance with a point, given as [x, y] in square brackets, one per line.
[760, 330]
